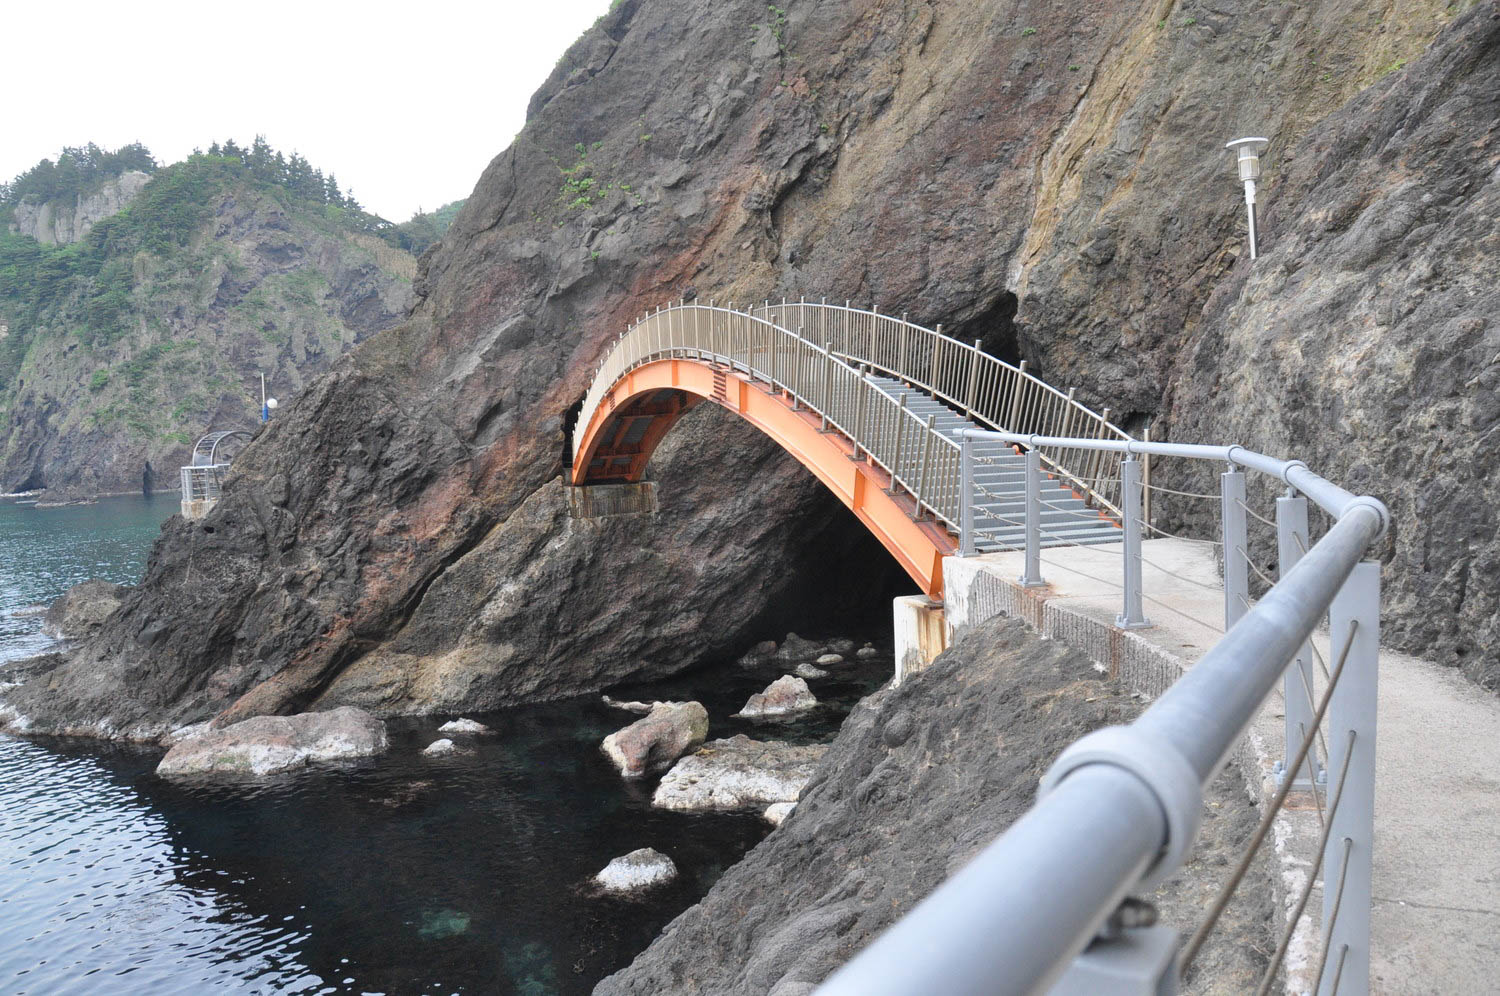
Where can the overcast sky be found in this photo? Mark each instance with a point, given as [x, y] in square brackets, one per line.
[405, 102]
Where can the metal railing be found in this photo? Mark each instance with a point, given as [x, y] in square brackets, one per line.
[985, 388]
[203, 482]
[1118, 811]
[918, 458]
[820, 355]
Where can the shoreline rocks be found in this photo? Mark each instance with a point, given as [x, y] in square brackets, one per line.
[777, 812]
[637, 707]
[264, 745]
[651, 744]
[788, 695]
[82, 609]
[440, 747]
[640, 869]
[465, 727]
[810, 671]
[738, 773]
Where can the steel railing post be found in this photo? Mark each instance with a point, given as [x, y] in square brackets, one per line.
[1032, 578]
[827, 381]
[1347, 866]
[900, 435]
[859, 422]
[965, 495]
[973, 375]
[922, 490]
[1133, 616]
[1232, 528]
[1297, 684]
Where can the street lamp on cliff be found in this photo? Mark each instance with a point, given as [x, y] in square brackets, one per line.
[1249, 150]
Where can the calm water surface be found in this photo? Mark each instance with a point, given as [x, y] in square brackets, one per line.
[401, 874]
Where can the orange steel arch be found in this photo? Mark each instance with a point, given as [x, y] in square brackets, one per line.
[645, 403]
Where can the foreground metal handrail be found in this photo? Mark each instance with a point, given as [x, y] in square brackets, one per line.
[1119, 809]
[986, 388]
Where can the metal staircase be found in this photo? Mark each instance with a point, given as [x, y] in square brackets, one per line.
[1000, 485]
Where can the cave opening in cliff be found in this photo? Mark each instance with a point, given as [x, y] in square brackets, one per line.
[995, 328]
[570, 425]
[844, 579]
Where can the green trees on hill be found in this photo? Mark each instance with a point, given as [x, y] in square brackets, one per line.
[76, 171]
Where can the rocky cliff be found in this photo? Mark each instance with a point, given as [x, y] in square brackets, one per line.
[54, 222]
[164, 317]
[1052, 179]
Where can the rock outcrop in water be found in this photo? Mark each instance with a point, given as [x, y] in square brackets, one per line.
[267, 745]
[898, 803]
[640, 869]
[1050, 181]
[787, 696]
[651, 744]
[738, 773]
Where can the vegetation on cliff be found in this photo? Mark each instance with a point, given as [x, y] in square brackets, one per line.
[119, 348]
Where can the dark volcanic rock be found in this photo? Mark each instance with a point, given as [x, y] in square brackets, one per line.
[1061, 193]
[887, 817]
[82, 609]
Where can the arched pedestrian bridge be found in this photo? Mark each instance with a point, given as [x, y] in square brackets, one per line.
[940, 449]
[873, 406]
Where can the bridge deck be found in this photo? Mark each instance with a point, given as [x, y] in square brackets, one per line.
[1436, 916]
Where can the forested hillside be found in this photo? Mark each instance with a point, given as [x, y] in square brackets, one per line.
[140, 303]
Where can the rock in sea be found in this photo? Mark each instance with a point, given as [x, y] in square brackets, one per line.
[829, 660]
[443, 746]
[810, 671]
[777, 812]
[640, 869]
[866, 652]
[738, 773]
[637, 707]
[649, 745]
[464, 726]
[263, 745]
[81, 610]
[786, 696]
[794, 648]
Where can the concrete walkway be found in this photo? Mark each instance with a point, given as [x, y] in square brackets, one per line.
[1436, 916]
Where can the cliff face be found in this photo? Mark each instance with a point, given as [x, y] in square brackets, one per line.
[262, 284]
[52, 222]
[1050, 179]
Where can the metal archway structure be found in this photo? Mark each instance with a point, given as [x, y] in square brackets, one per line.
[203, 477]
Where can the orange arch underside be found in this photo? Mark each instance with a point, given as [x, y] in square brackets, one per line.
[645, 403]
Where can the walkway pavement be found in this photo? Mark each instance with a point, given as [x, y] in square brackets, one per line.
[1436, 915]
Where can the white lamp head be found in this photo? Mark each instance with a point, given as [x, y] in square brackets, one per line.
[1249, 150]
[271, 403]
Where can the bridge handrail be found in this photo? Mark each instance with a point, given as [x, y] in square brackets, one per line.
[1119, 809]
[918, 458]
[988, 389]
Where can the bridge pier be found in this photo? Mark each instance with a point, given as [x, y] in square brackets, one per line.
[921, 633]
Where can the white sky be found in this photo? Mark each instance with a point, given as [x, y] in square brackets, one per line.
[405, 102]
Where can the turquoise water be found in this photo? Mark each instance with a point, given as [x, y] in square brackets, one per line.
[400, 874]
[45, 551]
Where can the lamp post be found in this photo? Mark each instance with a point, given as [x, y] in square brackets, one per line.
[1249, 150]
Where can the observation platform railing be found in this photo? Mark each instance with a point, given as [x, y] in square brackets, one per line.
[1044, 905]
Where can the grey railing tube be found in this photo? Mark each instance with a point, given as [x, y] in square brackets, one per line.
[1012, 919]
